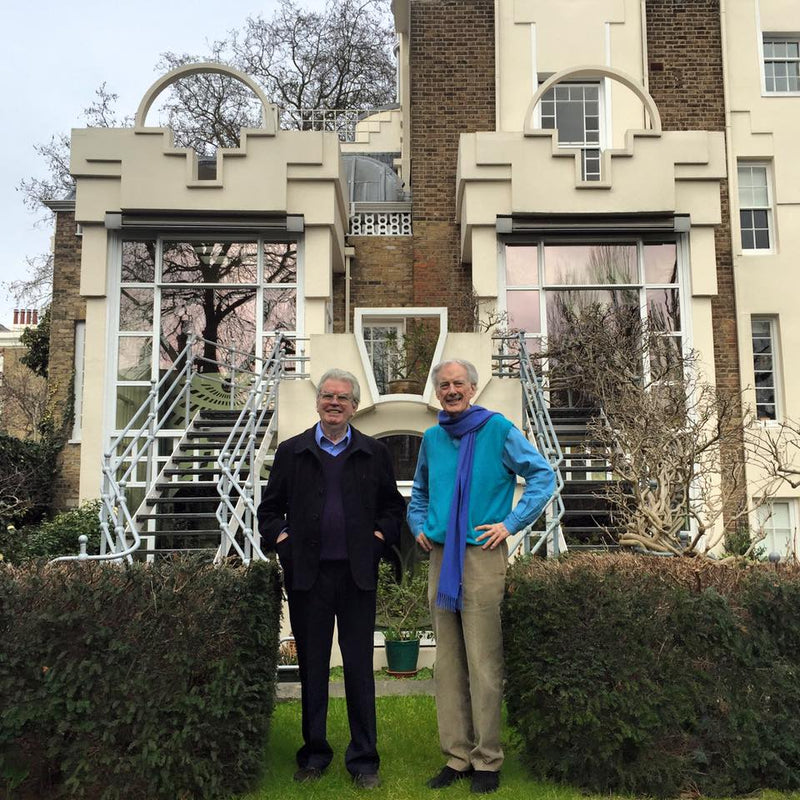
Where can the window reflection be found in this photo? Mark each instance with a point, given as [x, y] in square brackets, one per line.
[590, 264]
[138, 262]
[209, 262]
[217, 316]
[136, 309]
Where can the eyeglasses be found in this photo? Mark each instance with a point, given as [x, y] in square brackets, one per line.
[339, 398]
[457, 385]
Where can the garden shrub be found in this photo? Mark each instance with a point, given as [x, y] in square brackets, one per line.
[54, 537]
[655, 676]
[143, 681]
[26, 480]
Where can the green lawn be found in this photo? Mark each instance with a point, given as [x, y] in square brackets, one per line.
[410, 755]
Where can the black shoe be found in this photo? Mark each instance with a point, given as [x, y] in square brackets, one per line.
[446, 776]
[484, 782]
[366, 780]
[308, 774]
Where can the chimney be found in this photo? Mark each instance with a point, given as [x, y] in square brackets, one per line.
[16, 316]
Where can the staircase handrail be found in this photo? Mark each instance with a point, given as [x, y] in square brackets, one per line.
[515, 358]
[237, 510]
[117, 522]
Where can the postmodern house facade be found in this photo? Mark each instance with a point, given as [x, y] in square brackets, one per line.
[530, 140]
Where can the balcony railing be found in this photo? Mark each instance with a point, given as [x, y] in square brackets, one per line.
[340, 120]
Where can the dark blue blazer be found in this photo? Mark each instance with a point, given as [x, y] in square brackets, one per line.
[295, 495]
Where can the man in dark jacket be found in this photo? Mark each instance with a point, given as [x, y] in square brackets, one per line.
[330, 508]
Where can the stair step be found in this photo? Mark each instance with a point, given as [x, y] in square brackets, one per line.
[191, 532]
[162, 500]
[190, 515]
[172, 471]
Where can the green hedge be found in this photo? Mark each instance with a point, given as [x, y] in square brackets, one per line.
[54, 537]
[144, 681]
[655, 676]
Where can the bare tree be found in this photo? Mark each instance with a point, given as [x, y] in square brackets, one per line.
[661, 426]
[23, 399]
[338, 58]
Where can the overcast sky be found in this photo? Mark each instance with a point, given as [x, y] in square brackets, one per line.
[55, 54]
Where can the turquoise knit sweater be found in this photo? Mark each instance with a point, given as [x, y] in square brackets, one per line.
[492, 492]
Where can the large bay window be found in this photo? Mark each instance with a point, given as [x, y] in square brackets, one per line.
[545, 282]
[233, 296]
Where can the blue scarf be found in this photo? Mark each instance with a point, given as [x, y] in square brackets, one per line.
[465, 427]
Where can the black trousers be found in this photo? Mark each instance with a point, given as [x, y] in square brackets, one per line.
[335, 596]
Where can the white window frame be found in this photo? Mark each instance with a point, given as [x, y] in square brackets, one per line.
[768, 207]
[770, 38]
[396, 325]
[376, 316]
[78, 366]
[789, 550]
[583, 146]
[641, 285]
[775, 345]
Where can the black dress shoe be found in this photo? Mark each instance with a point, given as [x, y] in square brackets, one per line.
[308, 774]
[484, 782]
[446, 776]
[366, 780]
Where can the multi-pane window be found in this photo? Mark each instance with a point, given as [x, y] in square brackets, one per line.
[573, 109]
[775, 521]
[755, 207]
[765, 368]
[378, 340]
[546, 283]
[233, 296]
[782, 63]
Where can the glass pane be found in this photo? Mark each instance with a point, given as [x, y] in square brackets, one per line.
[129, 401]
[590, 264]
[523, 311]
[138, 262]
[564, 304]
[220, 318]
[764, 380]
[666, 359]
[280, 309]
[761, 327]
[209, 262]
[134, 356]
[762, 362]
[748, 242]
[663, 309]
[570, 123]
[762, 240]
[661, 263]
[765, 396]
[521, 266]
[136, 310]
[280, 262]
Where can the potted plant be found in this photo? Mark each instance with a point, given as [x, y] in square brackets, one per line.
[409, 356]
[402, 613]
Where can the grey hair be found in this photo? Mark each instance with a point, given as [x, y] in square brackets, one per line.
[472, 373]
[341, 375]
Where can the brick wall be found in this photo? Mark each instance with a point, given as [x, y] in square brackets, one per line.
[380, 275]
[67, 308]
[452, 92]
[684, 46]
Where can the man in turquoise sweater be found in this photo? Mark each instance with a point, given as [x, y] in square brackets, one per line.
[461, 513]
